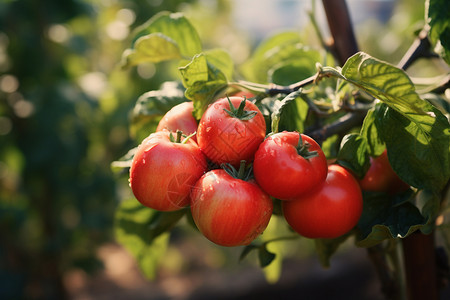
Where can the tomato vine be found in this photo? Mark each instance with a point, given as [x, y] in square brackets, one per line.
[356, 107]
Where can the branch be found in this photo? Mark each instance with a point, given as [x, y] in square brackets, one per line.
[342, 125]
[421, 48]
[344, 41]
[275, 89]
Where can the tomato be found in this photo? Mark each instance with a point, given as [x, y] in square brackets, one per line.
[229, 211]
[330, 210]
[285, 167]
[228, 135]
[381, 177]
[179, 117]
[163, 172]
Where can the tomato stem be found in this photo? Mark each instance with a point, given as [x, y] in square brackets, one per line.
[241, 171]
[244, 172]
[179, 135]
[303, 149]
[186, 139]
[240, 113]
[178, 138]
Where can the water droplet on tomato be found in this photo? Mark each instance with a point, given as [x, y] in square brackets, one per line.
[272, 153]
[277, 141]
[208, 129]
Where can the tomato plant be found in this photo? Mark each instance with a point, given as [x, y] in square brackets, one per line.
[179, 117]
[228, 209]
[289, 164]
[351, 104]
[381, 178]
[231, 130]
[330, 210]
[163, 171]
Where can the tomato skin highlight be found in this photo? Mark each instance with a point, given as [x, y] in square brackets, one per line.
[179, 117]
[162, 172]
[330, 210]
[282, 172]
[381, 177]
[225, 139]
[229, 211]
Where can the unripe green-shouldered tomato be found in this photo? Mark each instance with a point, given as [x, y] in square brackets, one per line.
[330, 210]
[229, 211]
[163, 172]
[286, 167]
[227, 134]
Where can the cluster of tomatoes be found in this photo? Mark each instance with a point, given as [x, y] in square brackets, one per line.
[230, 173]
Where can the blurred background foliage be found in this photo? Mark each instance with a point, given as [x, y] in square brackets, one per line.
[64, 116]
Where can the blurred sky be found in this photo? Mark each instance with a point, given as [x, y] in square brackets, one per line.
[260, 17]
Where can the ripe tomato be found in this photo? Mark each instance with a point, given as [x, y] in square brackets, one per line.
[330, 210]
[229, 211]
[285, 168]
[179, 117]
[381, 178]
[228, 135]
[163, 172]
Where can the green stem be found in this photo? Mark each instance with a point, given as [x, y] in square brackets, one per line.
[179, 135]
[241, 172]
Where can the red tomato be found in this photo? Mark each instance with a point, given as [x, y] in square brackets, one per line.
[282, 167]
[162, 172]
[229, 211]
[229, 137]
[330, 210]
[381, 178]
[179, 117]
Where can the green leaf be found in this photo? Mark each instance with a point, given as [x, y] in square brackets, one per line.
[325, 248]
[144, 232]
[289, 72]
[265, 256]
[122, 165]
[202, 81]
[288, 113]
[151, 107]
[369, 131]
[353, 154]
[385, 82]
[418, 146]
[222, 60]
[277, 53]
[417, 134]
[430, 204]
[283, 38]
[154, 48]
[247, 249]
[437, 13]
[177, 28]
[386, 218]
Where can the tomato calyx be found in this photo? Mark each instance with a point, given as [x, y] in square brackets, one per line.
[243, 173]
[303, 149]
[240, 113]
[180, 134]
